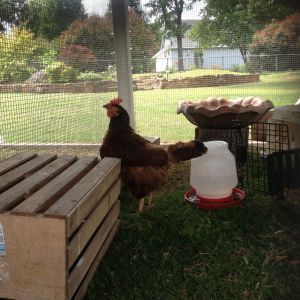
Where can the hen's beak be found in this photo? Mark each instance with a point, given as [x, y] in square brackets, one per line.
[105, 106]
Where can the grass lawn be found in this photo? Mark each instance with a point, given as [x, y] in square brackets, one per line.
[175, 251]
[72, 118]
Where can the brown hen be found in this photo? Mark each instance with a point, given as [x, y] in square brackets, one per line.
[143, 165]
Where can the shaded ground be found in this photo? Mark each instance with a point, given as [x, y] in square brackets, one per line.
[175, 251]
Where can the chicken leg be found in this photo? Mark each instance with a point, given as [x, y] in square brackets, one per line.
[142, 202]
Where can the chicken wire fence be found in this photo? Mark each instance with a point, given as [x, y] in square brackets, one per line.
[55, 74]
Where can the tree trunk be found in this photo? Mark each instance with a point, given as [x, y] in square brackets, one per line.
[179, 43]
[180, 54]
[244, 54]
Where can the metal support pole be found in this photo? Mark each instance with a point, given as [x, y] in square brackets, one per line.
[123, 55]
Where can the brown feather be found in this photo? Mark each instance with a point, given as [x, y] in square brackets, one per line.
[144, 165]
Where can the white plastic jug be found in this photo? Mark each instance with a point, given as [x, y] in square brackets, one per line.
[214, 174]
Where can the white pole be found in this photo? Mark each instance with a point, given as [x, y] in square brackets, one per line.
[123, 55]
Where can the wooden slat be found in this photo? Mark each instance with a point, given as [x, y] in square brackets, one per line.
[47, 195]
[85, 262]
[84, 285]
[78, 202]
[61, 208]
[32, 183]
[15, 161]
[17, 174]
[114, 192]
[80, 240]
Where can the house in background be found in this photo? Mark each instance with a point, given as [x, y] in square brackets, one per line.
[167, 57]
[220, 57]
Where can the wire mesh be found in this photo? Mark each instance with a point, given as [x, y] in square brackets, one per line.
[251, 145]
[55, 74]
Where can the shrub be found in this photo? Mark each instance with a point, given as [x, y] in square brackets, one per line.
[110, 74]
[59, 72]
[46, 53]
[89, 76]
[78, 57]
[17, 51]
[14, 71]
[239, 68]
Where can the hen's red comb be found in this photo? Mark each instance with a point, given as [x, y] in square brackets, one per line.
[115, 101]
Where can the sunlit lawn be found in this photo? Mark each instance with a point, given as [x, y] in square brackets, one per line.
[72, 118]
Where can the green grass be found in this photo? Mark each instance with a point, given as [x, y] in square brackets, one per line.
[71, 118]
[175, 251]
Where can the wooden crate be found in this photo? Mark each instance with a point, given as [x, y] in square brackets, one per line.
[58, 216]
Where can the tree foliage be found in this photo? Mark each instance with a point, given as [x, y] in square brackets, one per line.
[281, 37]
[11, 12]
[144, 42]
[95, 33]
[233, 23]
[79, 57]
[48, 18]
[168, 14]
[134, 5]
[17, 51]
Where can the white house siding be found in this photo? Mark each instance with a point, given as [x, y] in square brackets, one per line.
[221, 58]
[169, 60]
[216, 57]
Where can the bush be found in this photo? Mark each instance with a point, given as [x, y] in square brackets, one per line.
[78, 57]
[46, 53]
[110, 74]
[89, 76]
[239, 68]
[17, 51]
[14, 71]
[59, 72]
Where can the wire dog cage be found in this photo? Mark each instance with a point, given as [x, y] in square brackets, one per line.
[251, 146]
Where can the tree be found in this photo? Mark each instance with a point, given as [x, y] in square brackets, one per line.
[233, 23]
[169, 14]
[11, 12]
[78, 57]
[48, 18]
[280, 38]
[144, 42]
[95, 33]
[134, 5]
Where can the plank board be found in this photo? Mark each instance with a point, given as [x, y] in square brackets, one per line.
[28, 186]
[17, 174]
[15, 161]
[50, 193]
[80, 240]
[67, 202]
[78, 202]
[86, 260]
[84, 285]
